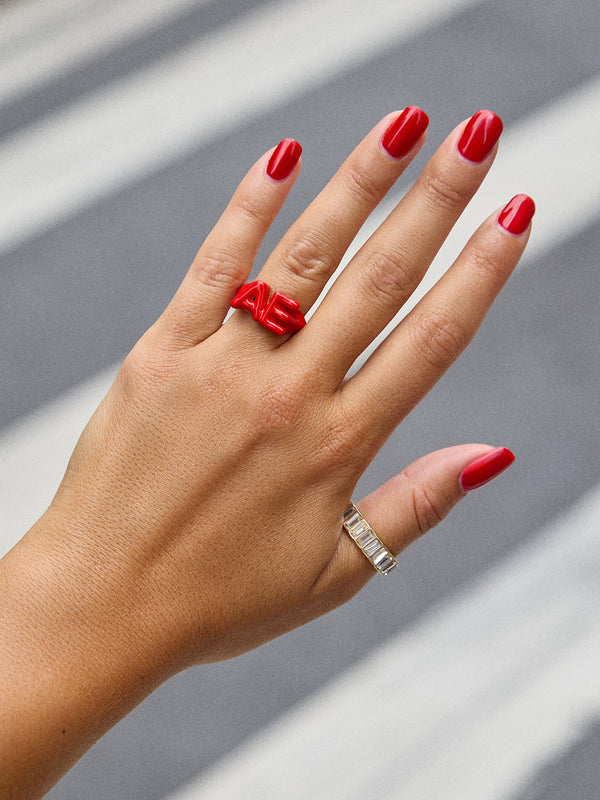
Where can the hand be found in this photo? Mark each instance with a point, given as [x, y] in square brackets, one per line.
[201, 511]
[211, 482]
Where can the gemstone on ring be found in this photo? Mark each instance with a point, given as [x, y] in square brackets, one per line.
[367, 540]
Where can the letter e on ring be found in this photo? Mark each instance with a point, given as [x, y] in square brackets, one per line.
[282, 315]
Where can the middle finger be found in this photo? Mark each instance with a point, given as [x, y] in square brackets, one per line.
[388, 268]
[311, 250]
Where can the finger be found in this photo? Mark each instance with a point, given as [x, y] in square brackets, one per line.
[388, 268]
[313, 247]
[416, 354]
[410, 504]
[225, 260]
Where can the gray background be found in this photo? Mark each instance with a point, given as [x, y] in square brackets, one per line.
[75, 298]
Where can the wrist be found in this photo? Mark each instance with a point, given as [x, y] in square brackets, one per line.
[90, 598]
[70, 664]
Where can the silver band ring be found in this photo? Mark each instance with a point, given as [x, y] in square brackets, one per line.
[357, 527]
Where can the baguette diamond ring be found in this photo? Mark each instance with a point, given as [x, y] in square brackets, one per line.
[367, 540]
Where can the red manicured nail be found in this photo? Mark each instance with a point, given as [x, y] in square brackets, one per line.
[486, 468]
[405, 131]
[480, 135]
[517, 214]
[284, 159]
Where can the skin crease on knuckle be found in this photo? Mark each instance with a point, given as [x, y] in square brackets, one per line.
[388, 279]
[362, 184]
[146, 376]
[218, 269]
[443, 191]
[254, 211]
[307, 257]
[487, 260]
[427, 512]
[436, 337]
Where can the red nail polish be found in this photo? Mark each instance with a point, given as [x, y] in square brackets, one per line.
[480, 135]
[486, 468]
[284, 159]
[517, 214]
[405, 131]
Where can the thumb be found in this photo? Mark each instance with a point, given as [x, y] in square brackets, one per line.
[413, 502]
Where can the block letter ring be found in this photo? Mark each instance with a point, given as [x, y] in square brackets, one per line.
[280, 314]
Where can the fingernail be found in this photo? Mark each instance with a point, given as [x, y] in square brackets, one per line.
[480, 135]
[517, 214]
[486, 468]
[405, 131]
[284, 159]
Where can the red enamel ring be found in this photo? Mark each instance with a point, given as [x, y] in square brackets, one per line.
[280, 314]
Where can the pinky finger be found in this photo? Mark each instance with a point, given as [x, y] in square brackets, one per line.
[225, 260]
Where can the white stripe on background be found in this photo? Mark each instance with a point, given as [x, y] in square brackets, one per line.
[34, 453]
[39, 40]
[68, 160]
[523, 166]
[465, 704]
[20, 21]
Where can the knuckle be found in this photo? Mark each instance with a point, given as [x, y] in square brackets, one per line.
[289, 405]
[218, 269]
[437, 337]
[253, 211]
[429, 510]
[306, 258]
[363, 186]
[388, 277]
[485, 263]
[137, 362]
[442, 193]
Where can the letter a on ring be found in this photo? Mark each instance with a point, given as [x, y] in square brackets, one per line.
[252, 297]
[280, 315]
